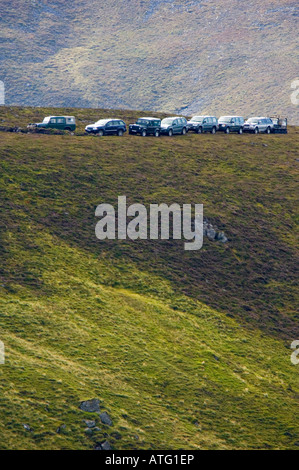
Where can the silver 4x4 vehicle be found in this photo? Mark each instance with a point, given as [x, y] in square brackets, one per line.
[258, 124]
[280, 125]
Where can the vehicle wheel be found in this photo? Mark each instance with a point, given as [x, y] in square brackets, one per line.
[227, 130]
[143, 133]
[184, 131]
[213, 130]
[199, 130]
[170, 133]
[268, 131]
[240, 131]
[157, 133]
[120, 132]
[256, 130]
[68, 129]
[101, 133]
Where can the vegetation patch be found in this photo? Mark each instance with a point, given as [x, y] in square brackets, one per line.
[179, 350]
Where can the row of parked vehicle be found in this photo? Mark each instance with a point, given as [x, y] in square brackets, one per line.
[170, 125]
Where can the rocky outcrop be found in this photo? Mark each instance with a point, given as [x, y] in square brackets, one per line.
[90, 406]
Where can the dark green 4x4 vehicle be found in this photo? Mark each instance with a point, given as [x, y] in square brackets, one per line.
[146, 126]
[200, 124]
[229, 124]
[174, 125]
[64, 123]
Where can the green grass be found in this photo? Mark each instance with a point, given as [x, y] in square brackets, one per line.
[183, 350]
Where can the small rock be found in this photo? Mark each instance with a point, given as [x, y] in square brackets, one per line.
[221, 237]
[61, 428]
[211, 234]
[90, 406]
[27, 427]
[103, 446]
[105, 418]
[88, 431]
[89, 423]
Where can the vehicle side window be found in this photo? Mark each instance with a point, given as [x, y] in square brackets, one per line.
[60, 121]
[53, 121]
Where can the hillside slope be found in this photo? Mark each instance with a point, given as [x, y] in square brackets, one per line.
[183, 350]
[189, 57]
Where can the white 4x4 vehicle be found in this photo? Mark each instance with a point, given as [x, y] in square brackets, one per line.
[258, 124]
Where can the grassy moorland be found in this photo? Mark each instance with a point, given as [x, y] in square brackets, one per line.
[184, 350]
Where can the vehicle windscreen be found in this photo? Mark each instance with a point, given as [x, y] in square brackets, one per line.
[225, 119]
[167, 121]
[197, 119]
[253, 120]
[143, 122]
[101, 122]
[46, 120]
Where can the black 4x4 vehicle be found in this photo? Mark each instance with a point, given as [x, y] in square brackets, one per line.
[107, 127]
[229, 124]
[146, 126]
